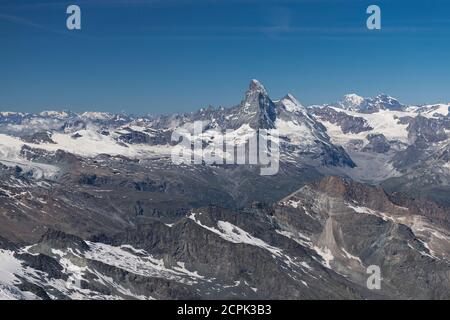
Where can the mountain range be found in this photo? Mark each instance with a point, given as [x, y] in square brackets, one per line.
[93, 207]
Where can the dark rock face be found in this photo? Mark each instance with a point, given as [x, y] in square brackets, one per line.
[40, 137]
[371, 226]
[27, 286]
[134, 137]
[150, 186]
[256, 109]
[336, 156]
[424, 130]
[59, 157]
[6, 244]
[93, 180]
[76, 136]
[377, 143]
[60, 240]
[409, 156]
[43, 263]
[313, 244]
[346, 122]
[74, 125]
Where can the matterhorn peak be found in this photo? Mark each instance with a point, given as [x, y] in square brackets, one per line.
[257, 109]
[256, 86]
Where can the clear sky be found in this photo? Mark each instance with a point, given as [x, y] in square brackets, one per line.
[163, 56]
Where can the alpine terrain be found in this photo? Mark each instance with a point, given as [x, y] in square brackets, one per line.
[93, 207]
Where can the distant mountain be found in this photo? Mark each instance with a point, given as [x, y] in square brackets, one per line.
[354, 102]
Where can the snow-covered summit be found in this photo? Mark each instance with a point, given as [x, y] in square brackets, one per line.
[97, 115]
[352, 101]
[387, 102]
[256, 86]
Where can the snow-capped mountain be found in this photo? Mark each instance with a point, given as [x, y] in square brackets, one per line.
[304, 141]
[392, 143]
[257, 109]
[367, 139]
[95, 198]
[353, 102]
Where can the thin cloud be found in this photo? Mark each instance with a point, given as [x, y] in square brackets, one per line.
[24, 22]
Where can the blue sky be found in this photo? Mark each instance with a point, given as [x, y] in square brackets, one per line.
[162, 56]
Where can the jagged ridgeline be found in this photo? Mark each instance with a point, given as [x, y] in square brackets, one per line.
[93, 207]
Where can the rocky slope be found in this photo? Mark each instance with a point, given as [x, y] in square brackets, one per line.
[314, 244]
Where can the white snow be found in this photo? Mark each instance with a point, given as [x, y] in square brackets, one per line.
[384, 122]
[235, 234]
[298, 133]
[96, 115]
[350, 256]
[126, 257]
[352, 101]
[366, 210]
[90, 144]
[9, 268]
[10, 156]
[8, 265]
[429, 111]
[291, 103]
[325, 254]
[142, 264]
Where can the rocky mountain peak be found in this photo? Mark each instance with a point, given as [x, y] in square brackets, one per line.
[291, 103]
[357, 103]
[385, 101]
[257, 109]
[256, 86]
[255, 91]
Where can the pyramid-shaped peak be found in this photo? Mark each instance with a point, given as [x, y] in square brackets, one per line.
[256, 86]
[291, 103]
[257, 109]
[292, 98]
